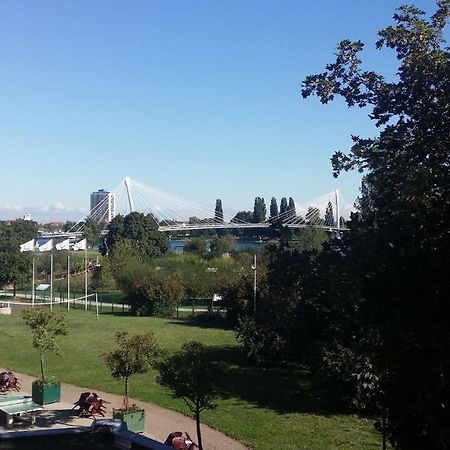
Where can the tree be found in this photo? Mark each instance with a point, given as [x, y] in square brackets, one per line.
[140, 228]
[47, 327]
[196, 246]
[273, 208]
[219, 246]
[14, 265]
[192, 376]
[283, 205]
[259, 210]
[91, 231]
[243, 216]
[329, 216]
[291, 208]
[134, 354]
[310, 239]
[313, 216]
[398, 242]
[218, 213]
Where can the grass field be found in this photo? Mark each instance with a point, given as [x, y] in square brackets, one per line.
[264, 408]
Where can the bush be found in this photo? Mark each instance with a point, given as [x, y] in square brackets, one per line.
[155, 295]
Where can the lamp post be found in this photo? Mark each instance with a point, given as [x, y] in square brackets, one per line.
[254, 267]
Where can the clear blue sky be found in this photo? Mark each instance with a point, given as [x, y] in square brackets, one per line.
[197, 98]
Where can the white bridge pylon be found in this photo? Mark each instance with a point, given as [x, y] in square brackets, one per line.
[174, 213]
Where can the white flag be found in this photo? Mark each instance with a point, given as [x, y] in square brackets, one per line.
[46, 247]
[81, 245]
[28, 246]
[64, 245]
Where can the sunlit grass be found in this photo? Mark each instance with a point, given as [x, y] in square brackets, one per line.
[265, 408]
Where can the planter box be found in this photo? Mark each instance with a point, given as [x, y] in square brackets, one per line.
[135, 420]
[44, 394]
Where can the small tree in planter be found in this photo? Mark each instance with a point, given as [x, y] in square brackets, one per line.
[191, 375]
[47, 327]
[134, 354]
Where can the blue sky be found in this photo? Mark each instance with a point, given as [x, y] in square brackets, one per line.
[197, 98]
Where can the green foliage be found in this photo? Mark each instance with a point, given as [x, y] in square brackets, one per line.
[296, 404]
[191, 375]
[47, 327]
[259, 210]
[218, 213]
[273, 208]
[134, 354]
[396, 253]
[154, 294]
[91, 231]
[15, 267]
[283, 205]
[102, 276]
[310, 239]
[141, 229]
[197, 246]
[329, 216]
[219, 246]
[243, 216]
[291, 208]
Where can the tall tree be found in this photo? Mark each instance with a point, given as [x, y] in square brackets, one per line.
[92, 231]
[259, 210]
[399, 241]
[313, 216]
[15, 267]
[192, 376]
[283, 205]
[329, 216]
[273, 208]
[243, 216]
[139, 228]
[218, 213]
[291, 208]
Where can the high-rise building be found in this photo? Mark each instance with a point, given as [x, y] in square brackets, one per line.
[103, 206]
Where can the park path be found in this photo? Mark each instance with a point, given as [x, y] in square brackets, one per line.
[159, 422]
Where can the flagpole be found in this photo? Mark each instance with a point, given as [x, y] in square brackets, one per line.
[85, 278]
[51, 279]
[32, 285]
[68, 279]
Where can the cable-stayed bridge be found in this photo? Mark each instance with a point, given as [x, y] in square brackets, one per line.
[173, 213]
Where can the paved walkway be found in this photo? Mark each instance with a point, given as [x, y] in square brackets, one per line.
[159, 422]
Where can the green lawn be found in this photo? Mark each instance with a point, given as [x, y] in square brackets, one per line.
[264, 408]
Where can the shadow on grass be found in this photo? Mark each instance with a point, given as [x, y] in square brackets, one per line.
[203, 321]
[291, 389]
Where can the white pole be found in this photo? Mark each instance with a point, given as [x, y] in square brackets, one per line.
[96, 304]
[32, 285]
[68, 280]
[254, 285]
[85, 278]
[51, 280]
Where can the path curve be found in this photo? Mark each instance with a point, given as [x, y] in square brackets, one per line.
[159, 422]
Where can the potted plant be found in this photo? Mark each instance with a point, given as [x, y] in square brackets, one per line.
[134, 354]
[47, 327]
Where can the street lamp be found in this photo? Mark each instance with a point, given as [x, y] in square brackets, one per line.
[254, 267]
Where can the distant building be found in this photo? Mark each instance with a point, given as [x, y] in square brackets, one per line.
[103, 206]
[27, 216]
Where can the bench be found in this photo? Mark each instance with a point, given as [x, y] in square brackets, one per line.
[16, 406]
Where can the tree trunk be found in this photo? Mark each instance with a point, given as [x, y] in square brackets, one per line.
[14, 289]
[199, 434]
[126, 393]
[42, 365]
